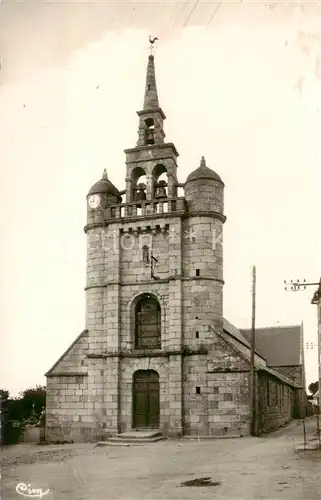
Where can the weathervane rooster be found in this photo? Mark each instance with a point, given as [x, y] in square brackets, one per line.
[152, 41]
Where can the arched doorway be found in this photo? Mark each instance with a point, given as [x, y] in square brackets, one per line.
[145, 399]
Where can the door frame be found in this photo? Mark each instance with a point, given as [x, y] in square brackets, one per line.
[134, 398]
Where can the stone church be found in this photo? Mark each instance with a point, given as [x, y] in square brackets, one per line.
[156, 352]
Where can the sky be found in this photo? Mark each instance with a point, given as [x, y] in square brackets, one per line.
[239, 83]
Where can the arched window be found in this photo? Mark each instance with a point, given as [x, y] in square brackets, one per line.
[149, 131]
[147, 323]
[146, 254]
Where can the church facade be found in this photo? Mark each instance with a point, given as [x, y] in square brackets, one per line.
[156, 352]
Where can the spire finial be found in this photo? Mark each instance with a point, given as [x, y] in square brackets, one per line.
[151, 43]
[151, 97]
[105, 176]
[203, 163]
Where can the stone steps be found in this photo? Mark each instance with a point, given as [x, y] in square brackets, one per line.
[132, 438]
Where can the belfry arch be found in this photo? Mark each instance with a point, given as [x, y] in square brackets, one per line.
[159, 182]
[138, 184]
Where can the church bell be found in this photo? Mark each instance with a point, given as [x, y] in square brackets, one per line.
[161, 191]
[140, 195]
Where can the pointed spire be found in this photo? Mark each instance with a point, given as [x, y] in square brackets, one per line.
[151, 97]
[203, 163]
[105, 176]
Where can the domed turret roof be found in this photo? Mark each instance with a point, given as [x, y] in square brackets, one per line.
[203, 172]
[104, 186]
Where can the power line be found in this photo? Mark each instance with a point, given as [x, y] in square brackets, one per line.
[296, 286]
[214, 13]
[192, 10]
[180, 12]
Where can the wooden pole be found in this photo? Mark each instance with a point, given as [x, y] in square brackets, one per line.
[253, 388]
[319, 344]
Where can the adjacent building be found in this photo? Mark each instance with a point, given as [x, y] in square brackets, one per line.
[156, 352]
[283, 349]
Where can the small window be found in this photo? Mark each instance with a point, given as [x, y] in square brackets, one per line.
[197, 335]
[268, 393]
[198, 390]
[197, 272]
[145, 254]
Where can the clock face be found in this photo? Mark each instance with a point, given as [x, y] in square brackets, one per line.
[94, 201]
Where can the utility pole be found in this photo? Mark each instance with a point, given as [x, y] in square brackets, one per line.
[253, 385]
[297, 286]
[316, 299]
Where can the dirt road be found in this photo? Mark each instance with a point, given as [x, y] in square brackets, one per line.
[242, 469]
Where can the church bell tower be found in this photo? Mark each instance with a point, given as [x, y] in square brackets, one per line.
[152, 156]
[154, 282]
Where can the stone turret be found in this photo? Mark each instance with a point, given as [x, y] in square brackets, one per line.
[204, 190]
[106, 190]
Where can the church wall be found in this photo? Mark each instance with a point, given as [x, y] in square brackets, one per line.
[133, 268]
[205, 197]
[216, 395]
[169, 371]
[201, 309]
[202, 247]
[67, 390]
[95, 291]
[202, 298]
[128, 295]
[295, 373]
[67, 408]
[275, 403]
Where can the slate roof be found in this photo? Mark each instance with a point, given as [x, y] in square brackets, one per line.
[259, 366]
[280, 346]
[238, 335]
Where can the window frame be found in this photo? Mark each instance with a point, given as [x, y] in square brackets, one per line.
[141, 341]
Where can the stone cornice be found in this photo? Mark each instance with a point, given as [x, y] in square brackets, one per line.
[148, 353]
[68, 374]
[156, 282]
[151, 147]
[227, 370]
[139, 160]
[152, 111]
[155, 216]
[135, 218]
[216, 215]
